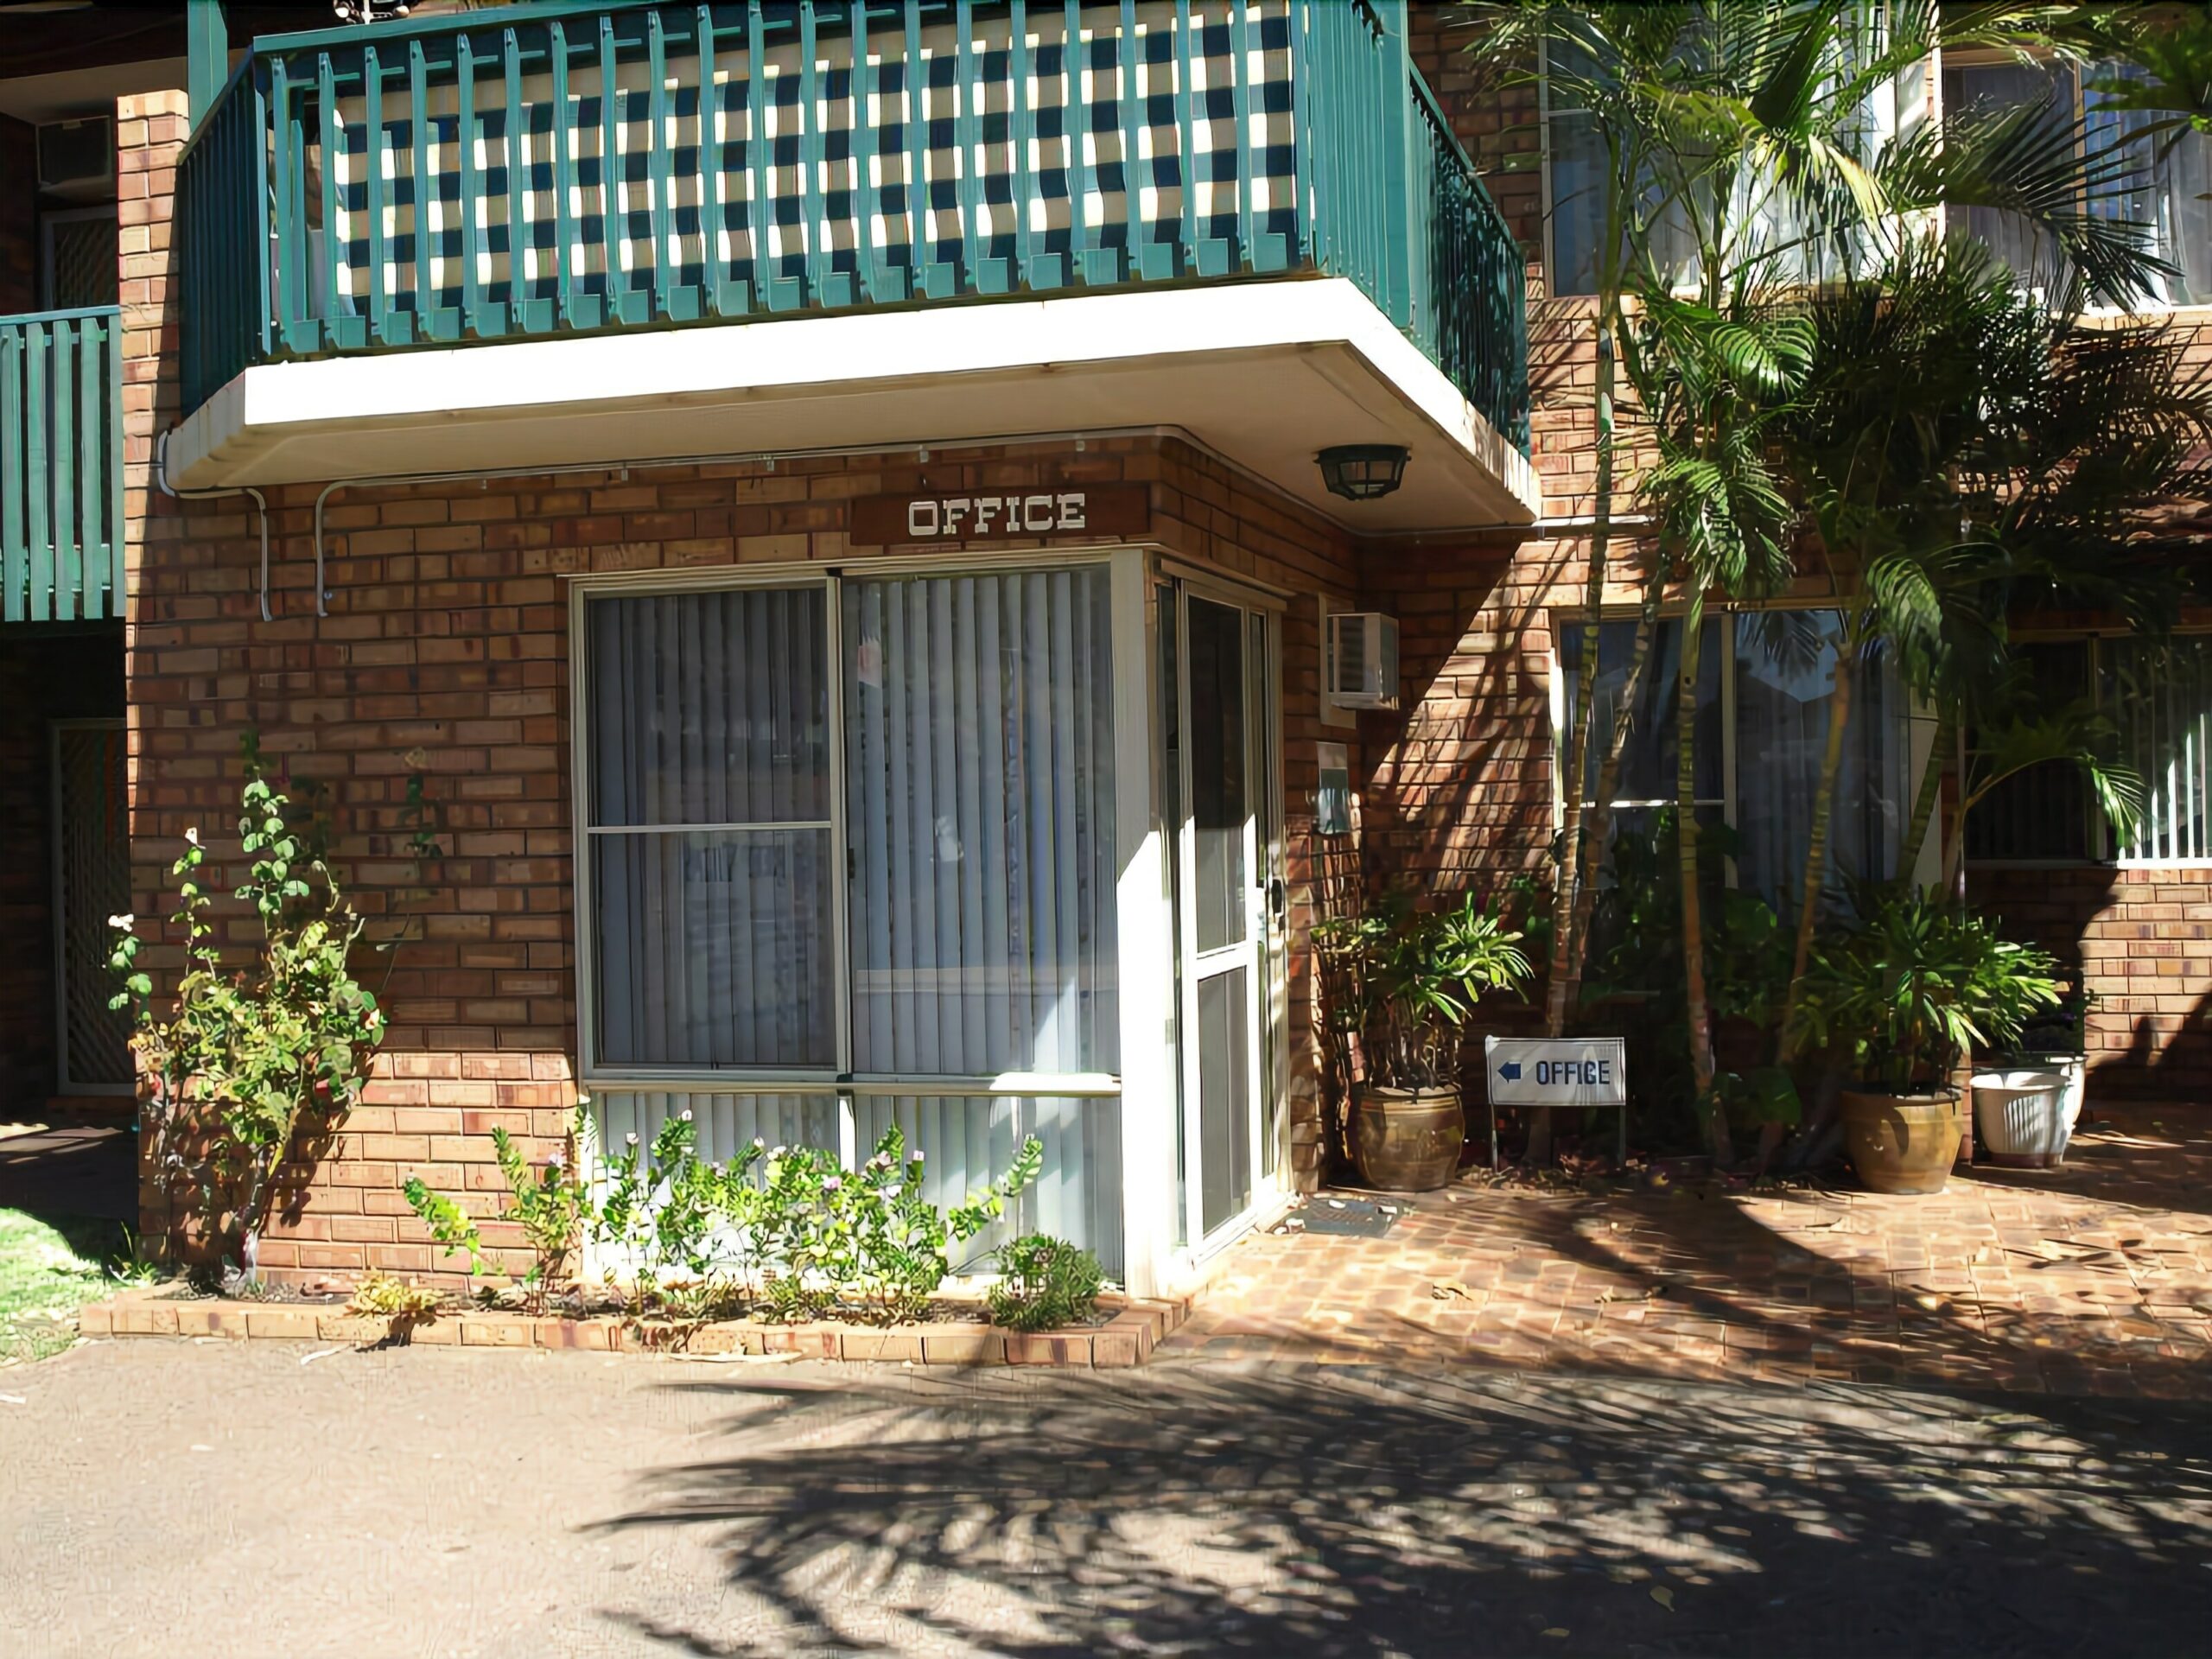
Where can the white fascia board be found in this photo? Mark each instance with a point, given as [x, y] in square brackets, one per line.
[566, 378]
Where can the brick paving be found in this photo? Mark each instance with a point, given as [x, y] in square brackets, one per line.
[2095, 1279]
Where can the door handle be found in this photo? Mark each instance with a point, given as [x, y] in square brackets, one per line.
[1276, 897]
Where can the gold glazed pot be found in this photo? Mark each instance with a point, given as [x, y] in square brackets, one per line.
[1407, 1140]
[1902, 1143]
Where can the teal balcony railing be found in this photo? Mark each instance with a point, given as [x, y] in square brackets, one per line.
[61, 465]
[563, 168]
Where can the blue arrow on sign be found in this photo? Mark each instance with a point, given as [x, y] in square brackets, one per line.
[1510, 1071]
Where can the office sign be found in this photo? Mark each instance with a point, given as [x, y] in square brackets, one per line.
[1557, 1070]
[973, 515]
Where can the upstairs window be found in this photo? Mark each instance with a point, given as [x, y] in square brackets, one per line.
[2173, 174]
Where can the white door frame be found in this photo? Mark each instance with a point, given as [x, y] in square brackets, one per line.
[1261, 952]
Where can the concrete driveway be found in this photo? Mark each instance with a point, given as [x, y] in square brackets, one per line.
[174, 1498]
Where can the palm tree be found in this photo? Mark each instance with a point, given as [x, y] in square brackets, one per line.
[1712, 376]
[1744, 126]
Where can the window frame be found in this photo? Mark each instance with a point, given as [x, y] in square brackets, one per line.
[1920, 722]
[2100, 832]
[839, 1080]
[1967, 60]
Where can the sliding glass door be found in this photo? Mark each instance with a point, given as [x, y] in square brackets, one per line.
[850, 862]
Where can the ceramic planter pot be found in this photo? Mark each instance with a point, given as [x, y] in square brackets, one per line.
[1407, 1140]
[1902, 1143]
[2019, 1119]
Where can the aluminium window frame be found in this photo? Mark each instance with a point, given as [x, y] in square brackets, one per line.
[2100, 833]
[1920, 719]
[839, 1078]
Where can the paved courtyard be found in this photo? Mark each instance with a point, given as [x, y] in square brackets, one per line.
[2093, 1279]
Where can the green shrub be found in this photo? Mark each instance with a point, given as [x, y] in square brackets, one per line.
[674, 1217]
[1914, 984]
[250, 1068]
[1046, 1282]
[828, 1235]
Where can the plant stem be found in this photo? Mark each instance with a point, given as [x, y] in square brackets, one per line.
[1710, 1111]
[1609, 775]
[1931, 793]
[1816, 851]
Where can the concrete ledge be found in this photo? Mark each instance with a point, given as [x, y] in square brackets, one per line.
[1132, 1331]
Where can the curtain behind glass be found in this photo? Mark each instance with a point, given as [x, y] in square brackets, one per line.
[1581, 182]
[708, 734]
[1785, 675]
[2176, 169]
[2159, 694]
[1647, 770]
[2030, 252]
[979, 806]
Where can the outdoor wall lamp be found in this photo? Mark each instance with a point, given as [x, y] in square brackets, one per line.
[1361, 472]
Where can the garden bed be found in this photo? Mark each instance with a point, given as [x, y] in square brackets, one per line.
[1128, 1331]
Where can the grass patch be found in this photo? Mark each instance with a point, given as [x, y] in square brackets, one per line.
[48, 1270]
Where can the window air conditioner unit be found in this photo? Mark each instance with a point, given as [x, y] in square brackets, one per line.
[77, 158]
[1363, 665]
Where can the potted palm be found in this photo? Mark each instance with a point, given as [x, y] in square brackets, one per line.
[1906, 991]
[1411, 978]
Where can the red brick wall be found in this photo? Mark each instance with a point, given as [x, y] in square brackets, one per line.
[447, 643]
[2139, 938]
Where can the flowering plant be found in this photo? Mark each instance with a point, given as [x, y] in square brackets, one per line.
[869, 1234]
[666, 1209]
[249, 1069]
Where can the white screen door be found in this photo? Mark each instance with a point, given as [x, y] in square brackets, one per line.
[1221, 798]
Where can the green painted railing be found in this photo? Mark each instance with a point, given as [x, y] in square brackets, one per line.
[61, 465]
[464, 177]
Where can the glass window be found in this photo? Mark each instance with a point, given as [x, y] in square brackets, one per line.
[2172, 197]
[1580, 178]
[1647, 761]
[971, 772]
[1785, 665]
[1992, 89]
[2172, 173]
[2159, 696]
[1764, 683]
[979, 760]
[710, 833]
[2045, 813]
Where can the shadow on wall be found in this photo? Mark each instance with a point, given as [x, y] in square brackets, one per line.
[1339, 1510]
[1458, 786]
[2132, 937]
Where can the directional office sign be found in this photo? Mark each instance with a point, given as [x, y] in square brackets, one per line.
[1556, 1071]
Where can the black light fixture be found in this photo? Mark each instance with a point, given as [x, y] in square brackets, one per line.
[1361, 472]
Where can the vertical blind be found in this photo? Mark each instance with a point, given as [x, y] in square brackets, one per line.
[709, 830]
[978, 807]
[979, 747]
[2159, 696]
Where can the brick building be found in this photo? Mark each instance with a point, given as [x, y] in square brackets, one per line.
[765, 640]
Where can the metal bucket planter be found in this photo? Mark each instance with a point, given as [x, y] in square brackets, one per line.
[2019, 1117]
[1407, 1140]
[1902, 1143]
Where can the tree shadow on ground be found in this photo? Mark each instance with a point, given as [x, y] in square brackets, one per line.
[1981, 1286]
[1350, 1510]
